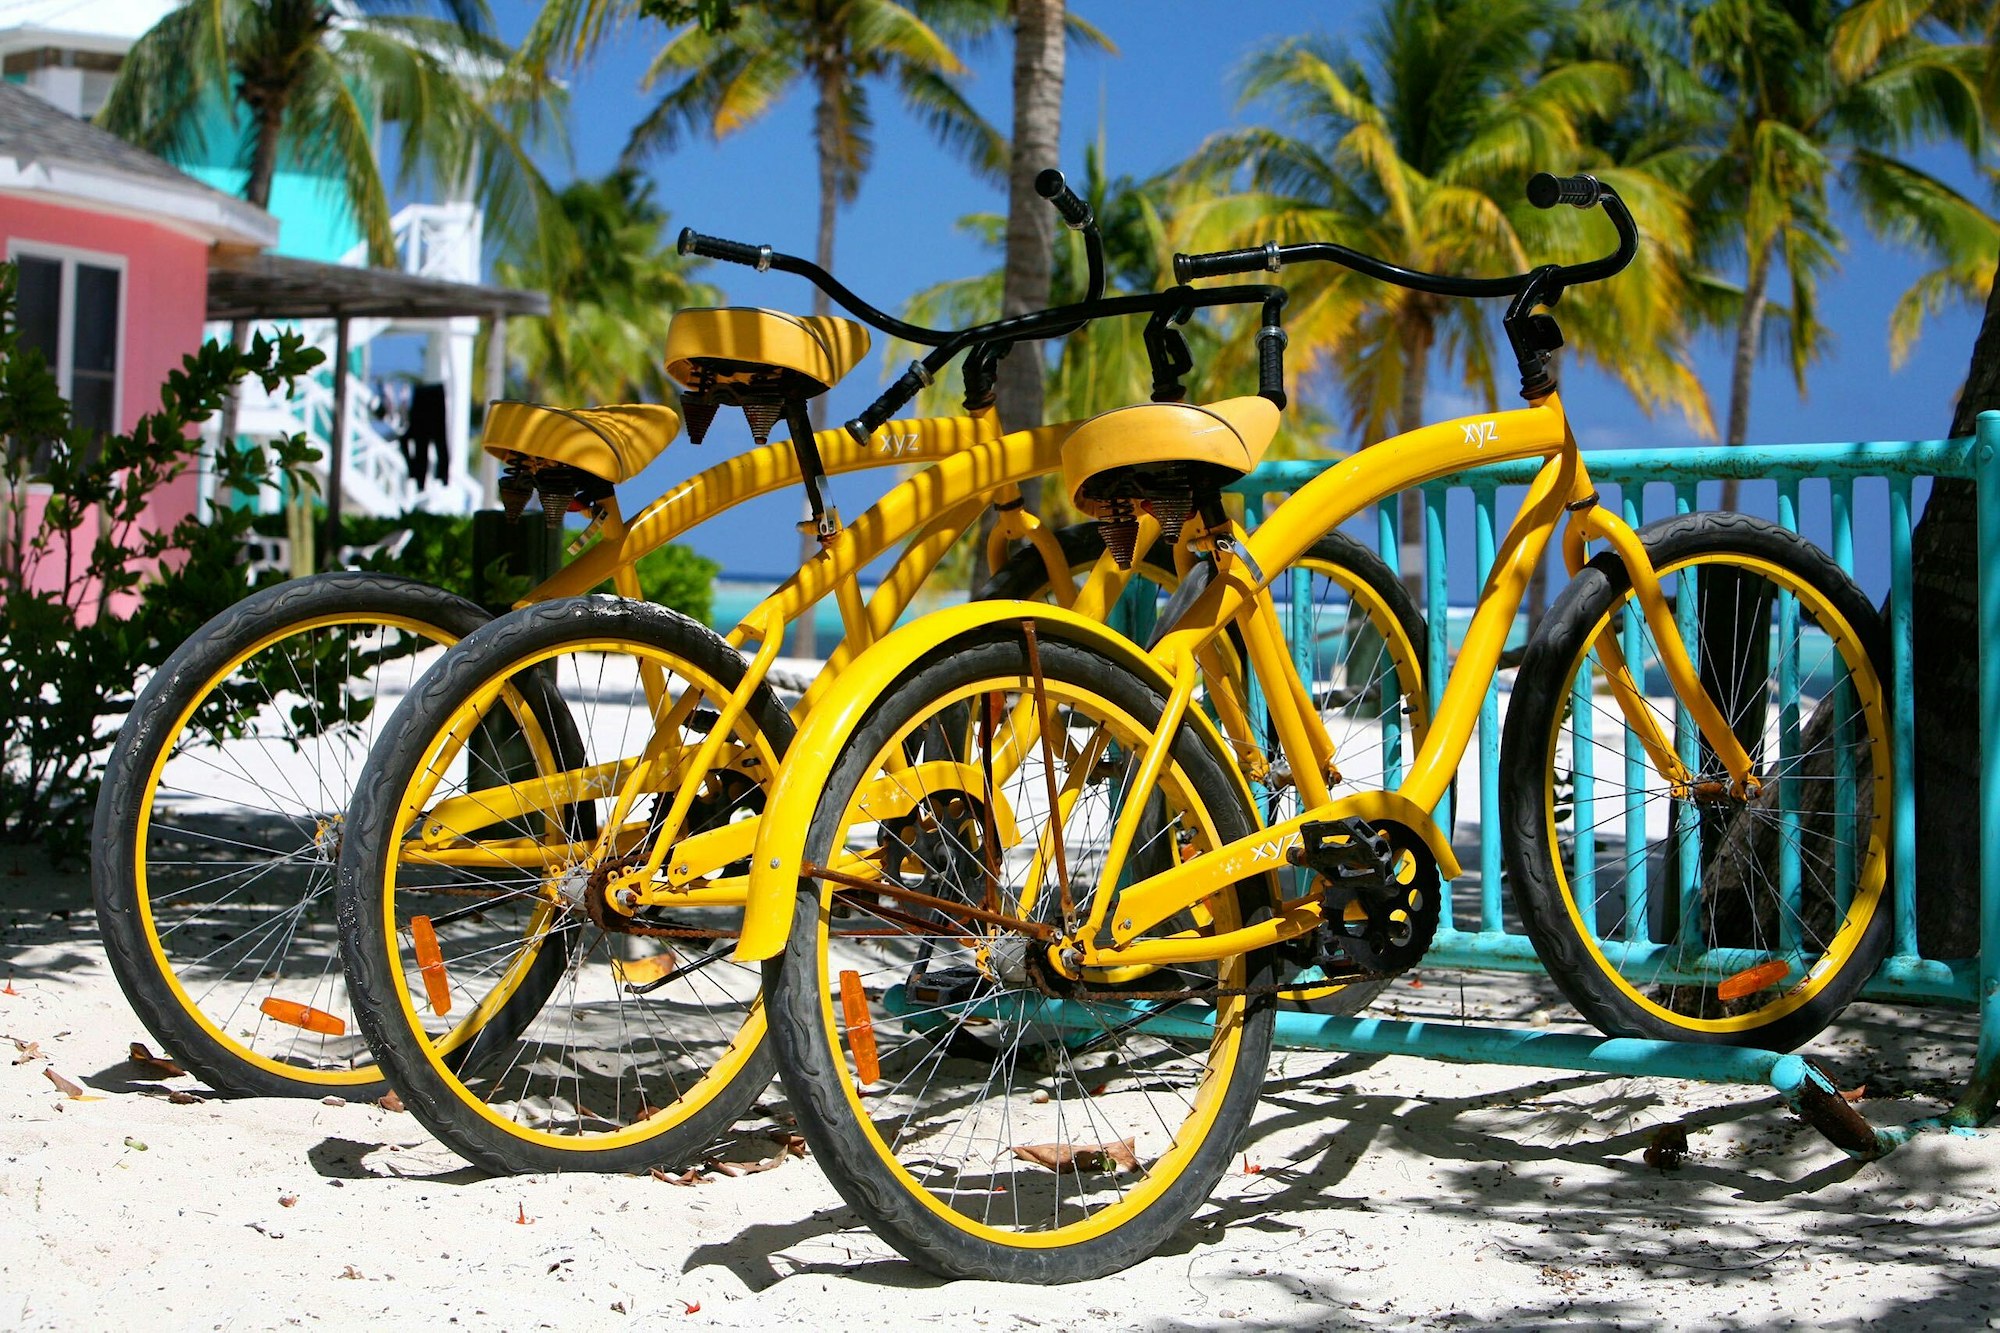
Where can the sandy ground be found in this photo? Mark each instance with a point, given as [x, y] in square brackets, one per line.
[1378, 1191]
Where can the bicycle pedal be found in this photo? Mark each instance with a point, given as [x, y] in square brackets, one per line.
[1389, 872]
[944, 985]
[1344, 851]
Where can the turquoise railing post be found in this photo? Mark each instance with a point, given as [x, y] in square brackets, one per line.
[1790, 897]
[1631, 499]
[1686, 905]
[1902, 724]
[1977, 1105]
[1846, 813]
[1483, 499]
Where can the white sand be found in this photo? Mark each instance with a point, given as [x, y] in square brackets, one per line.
[1390, 1191]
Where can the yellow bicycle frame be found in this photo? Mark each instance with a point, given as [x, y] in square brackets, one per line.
[1237, 595]
[968, 468]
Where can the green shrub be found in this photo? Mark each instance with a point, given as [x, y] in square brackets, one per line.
[73, 667]
[676, 577]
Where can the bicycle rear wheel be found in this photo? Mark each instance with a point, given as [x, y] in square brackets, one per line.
[468, 882]
[220, 819]
[986, 1118]
[1359, 642]
[1685, 912]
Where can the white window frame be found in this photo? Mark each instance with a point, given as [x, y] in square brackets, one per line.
[70, 256]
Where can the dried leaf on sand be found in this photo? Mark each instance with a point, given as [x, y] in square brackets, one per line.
[1669, 1147]
[68, 1088]
[1081, 1157]
[159, 1064]
[691, 1176]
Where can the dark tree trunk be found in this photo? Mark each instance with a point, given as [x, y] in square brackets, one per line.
[1945, 652]
[1037, 144]
[1039, 30]
[1743, 367]
[264, 152]
[1417, 341]
[270, 117]
[826, 141]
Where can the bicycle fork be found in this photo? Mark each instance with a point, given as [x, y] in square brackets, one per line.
[1591, 521]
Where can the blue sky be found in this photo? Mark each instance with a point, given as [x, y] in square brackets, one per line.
[1171, 84]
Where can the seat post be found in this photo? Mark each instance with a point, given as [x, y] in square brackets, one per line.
[825, 521]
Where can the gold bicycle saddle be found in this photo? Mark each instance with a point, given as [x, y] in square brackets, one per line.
[1167, 459]
[712, 346]
[612, 443]
[764, 361]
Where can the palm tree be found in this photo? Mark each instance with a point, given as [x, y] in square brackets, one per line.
[1811, 100]
[719, 71]
[314, 77]
[609, 312]
[1418, 153]
[725, 71]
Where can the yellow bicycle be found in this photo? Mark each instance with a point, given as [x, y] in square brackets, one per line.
[220, 817]
[1055, 1063]
[536, 941]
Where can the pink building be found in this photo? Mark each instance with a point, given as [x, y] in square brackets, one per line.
[112, 247]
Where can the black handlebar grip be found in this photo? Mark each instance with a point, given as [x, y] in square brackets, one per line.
[1271, 342]
[693, 242]
[913, 381]
[1051, 186]
[1546, 191]
[1257, 259]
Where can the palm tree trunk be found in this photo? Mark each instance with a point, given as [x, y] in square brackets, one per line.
[1030, 261]
[1749, 333]
[1037, 144]
[1418, 336]
[270, 116]
[826, 142]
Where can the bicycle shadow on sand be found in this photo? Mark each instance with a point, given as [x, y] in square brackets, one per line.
[1562, 1158]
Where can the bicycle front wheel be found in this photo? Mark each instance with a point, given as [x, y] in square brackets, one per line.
[988, 1118]
[1681, 910]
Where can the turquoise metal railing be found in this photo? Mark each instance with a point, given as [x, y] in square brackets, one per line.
[1476, 935]
[1905, 975]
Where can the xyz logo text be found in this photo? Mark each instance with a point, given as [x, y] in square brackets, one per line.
[898, 445]
[1479, 434]
[1274, 850]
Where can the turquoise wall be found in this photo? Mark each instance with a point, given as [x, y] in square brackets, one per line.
[315, 222]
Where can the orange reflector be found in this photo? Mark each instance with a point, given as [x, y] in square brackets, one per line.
[1753, 979]
[860, 1027]
[304, 1016]
[431, 963]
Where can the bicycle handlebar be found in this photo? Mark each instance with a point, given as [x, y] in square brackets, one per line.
[763, 258]
[1544, 191]
[1052, 187]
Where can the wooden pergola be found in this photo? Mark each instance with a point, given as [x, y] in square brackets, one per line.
[253, 286]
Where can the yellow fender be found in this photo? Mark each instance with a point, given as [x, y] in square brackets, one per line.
[781, 831]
